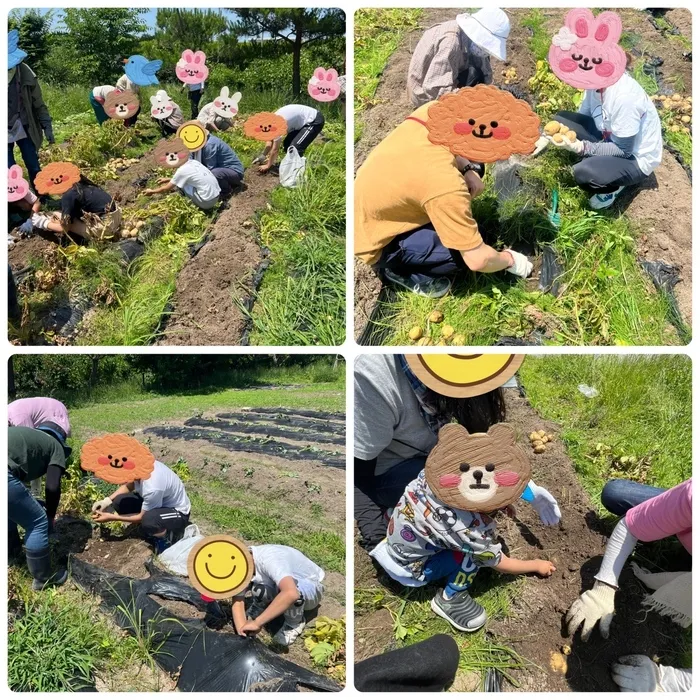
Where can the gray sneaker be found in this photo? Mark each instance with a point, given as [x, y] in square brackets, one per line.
[432, 287]
[461, 611]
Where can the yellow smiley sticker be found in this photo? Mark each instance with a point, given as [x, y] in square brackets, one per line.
[220, 566]
[462, 376]
[193, 135]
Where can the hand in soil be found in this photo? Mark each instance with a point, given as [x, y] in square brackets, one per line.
[100, 517]
[250, 627]
[543, 567]
[264, 168]
[636, 674]
[596, 605]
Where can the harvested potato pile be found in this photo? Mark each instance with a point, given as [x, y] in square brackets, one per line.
[539, 440]
[559, 132]
[678, 112]
[447, 336]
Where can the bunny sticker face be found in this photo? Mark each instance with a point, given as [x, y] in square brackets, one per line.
[585, 53]
[265, 126]
[225, 106]
[483, 124]
[121, 105]
[117, 458]
[17, 186]
[161, 105]
[57, 178]
[481, 472]
[191, 68]
[324, 85]
[171, 153]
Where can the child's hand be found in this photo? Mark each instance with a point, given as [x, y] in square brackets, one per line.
[250, 627]
[543, 567]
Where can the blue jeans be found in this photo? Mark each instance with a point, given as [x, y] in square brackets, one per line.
[29, 154]
[619, 495]
[421, 256]
[24, 510]
[99, 110]
[458, 568]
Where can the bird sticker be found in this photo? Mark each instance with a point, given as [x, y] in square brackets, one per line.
[141, 71]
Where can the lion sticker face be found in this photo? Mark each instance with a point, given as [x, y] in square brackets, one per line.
[480, 472]
[171, 153]
[57, 178]
[117, 458]
[121, 105]
[265, 126]
[483, 124]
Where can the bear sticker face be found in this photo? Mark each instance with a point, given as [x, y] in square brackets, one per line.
[483, 124]
[585, 53]
[121, 105]
[191, 68]
[481, 472]
[324, 85]
[117, 458]
[171, 153]
[17, 186]
[161, 105]
[265, 126]
[57, 178]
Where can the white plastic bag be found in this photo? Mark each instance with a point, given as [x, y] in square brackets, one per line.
[292, 168]
[175, 558]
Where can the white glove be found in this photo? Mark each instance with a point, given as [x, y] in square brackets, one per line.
[545, 504]
[592, 606]
[636, 673]
[521, 266]
[259, 159]
[541, 143]
[573, 146]
[102, 506]
[27, 227]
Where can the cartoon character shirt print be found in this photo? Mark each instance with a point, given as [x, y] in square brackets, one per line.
[421, 526]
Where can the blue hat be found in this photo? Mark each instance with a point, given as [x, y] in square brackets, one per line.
[15, 55]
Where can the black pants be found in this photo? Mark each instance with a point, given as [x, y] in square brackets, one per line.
[153, 521]
[165, 128]
[194, 97]
[599, 174]
[301, 138]
[228, 180]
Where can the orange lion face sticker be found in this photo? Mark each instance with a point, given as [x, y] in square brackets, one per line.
[121, 105]
[57, 178]
[265, 126]
[171, 153]
[483, 124]
[117, 458]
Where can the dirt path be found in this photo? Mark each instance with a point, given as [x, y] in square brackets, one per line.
[205, 311]
[535, 628]
[668, 216]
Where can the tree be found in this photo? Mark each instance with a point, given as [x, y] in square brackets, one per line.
[298, 27]
[101, 38]
[34, 33]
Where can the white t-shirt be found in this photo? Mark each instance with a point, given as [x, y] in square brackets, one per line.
[297, 116]
[273, 562]
[197, 182]
[102, 91]
[125, 83]
[625, 110]
[163, 489]
[208, 116]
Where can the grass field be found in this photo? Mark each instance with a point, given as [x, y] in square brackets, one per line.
[90, 645]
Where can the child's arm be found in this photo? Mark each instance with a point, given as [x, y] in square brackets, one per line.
[272, 156]
[287, 596]
[169, 187]
[238, 612]
[520, 566]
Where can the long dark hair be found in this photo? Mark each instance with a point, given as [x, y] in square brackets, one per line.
[476, 414]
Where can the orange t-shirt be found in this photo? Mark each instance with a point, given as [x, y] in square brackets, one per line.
[408, 182]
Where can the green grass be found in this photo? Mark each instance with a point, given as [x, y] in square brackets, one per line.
[378, 33]
[540, 39]
[642, 411]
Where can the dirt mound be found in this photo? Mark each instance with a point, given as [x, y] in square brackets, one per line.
[223, 272]
[132, 180]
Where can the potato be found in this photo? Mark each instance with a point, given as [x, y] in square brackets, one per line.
[539, 449]
[685, 119]
[447, 332]
[675, 129]
[436, 316]
[458, 339]
[541, 433]
[552, 128]
[563, 128]
[441, 342]
[544, 439]
[537, 443]
[685, 130]
[558, 138]
[533, 437]
[565, 649]
[676, 97]
[425, 341]
[551, 438]
[571, 135]
[134, 232]
[415, 333]
[140, 224]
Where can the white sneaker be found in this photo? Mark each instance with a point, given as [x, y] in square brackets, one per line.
[288, 634]
[603, 201]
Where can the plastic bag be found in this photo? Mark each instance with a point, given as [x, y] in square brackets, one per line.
[292, 168]
[175, 558]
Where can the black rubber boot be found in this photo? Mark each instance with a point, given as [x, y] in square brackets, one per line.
[39, 565]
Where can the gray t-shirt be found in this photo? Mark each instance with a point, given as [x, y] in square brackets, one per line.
[389, 424]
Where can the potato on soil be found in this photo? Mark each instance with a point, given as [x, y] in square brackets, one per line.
[539, 449]
[447, 332]
[552, 128]
[436, 316]
[685, 119]
[415, 333]
[425, 341]
[140, 224]
[541, 433]
[458, 339]
[534, 436]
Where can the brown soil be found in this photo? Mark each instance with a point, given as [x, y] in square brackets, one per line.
[132, 180]
[682, 20]
[26, 250]
[672, 233]
[205, 311]
[535, 629]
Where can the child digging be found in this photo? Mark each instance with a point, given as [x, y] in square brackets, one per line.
[284, 582]
[443, 528]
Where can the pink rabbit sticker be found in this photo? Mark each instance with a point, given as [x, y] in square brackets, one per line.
[324, 85]
[17, 186]
[585, 53]
[191, 68]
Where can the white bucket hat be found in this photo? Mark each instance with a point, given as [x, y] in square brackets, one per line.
[488, 28]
